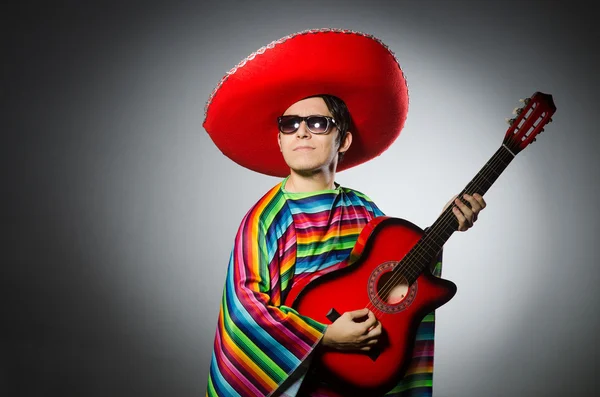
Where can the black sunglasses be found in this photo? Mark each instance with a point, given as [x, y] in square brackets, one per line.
[315, 123]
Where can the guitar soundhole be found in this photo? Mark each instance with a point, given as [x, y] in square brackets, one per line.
[391, 289]
[389, 292]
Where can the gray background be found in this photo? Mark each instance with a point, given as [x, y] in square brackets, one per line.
[119, 213]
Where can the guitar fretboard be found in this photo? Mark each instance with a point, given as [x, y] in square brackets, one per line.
[431, 243]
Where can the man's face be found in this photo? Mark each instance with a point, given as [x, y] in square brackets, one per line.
[305, 152]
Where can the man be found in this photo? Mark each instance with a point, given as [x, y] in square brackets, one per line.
[306, 225]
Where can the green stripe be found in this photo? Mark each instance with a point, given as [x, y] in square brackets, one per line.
[413, 381]
[272, 209]
[286, 277]
[211, 389]
[410, 385]
[361, 195]
[306, 250]
[430, 318]
[437, 271]
[264, 285]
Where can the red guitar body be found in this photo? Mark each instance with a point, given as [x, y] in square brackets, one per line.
[355, 287]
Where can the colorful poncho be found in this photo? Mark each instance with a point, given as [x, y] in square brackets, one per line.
[283, 239]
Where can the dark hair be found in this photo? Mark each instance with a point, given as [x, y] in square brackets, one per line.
[340, 113]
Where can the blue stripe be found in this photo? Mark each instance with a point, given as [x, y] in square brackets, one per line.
[221, 385]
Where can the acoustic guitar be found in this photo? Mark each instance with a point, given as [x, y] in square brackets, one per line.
[389, 272]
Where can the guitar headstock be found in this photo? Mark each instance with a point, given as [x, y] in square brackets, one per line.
[529, 122]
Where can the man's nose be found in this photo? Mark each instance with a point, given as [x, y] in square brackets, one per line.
[303, 131]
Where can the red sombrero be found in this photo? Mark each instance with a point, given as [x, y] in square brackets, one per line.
[241, 113]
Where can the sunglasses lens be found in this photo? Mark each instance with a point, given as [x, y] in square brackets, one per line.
[317, 124]
[289, 124]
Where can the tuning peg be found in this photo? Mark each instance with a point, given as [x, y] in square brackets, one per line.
[517, 110]
[533, 140]
[550, 120]
[525, 101]
[509, 121]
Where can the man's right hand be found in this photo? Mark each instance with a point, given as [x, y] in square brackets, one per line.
[355, 330]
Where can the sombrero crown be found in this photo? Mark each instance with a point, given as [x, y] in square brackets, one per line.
[241, 113]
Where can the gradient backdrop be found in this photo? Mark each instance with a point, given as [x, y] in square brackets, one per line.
[118, 212]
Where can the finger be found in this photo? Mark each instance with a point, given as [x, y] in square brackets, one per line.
[480, 199]
[462, 221]
[370, 322]
[370, 342]
[373, 341]
[463, 208]
[358, 313]
[374, 331]
[475, 207]
[450, 202]
[466, 211]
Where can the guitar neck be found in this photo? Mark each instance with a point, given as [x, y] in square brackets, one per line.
[440, 231]
[446, 224]
[524, 128]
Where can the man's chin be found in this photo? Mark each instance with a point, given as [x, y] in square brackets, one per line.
[306, 171]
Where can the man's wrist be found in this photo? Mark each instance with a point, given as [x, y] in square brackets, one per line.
[325, 338]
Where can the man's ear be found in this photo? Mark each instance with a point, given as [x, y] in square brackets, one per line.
[345, 145]
[279, 141]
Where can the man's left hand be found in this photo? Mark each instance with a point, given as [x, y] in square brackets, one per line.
[466, 216]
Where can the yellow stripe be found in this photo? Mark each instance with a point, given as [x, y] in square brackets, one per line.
[420, 369]
[310, 238]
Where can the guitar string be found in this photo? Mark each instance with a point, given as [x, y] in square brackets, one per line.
[415, 256]
[425, 243]
[445, 218]
[415, 252]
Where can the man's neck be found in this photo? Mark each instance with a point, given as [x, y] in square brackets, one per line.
[298, 183]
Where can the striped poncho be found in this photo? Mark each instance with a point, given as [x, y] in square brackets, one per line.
[283, 239]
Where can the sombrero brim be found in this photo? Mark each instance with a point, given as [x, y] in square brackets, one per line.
[241, 113]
